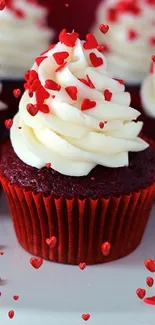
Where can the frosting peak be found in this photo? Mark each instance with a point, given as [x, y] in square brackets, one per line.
[131, 38]
[73, 114]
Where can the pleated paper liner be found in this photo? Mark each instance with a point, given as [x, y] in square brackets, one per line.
[80, 226]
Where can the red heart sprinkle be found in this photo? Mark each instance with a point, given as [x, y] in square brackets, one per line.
[61, 67]
[150, 300]
[100, 48]
[52, 85]
[112, 15]
[15, 297]
[60, 57]
[11, 314]
[36, 262]
[68, 39]
[53, 96]
[96, 61]
[150, 265]
[40, 59]
[153, 58]
[72, 92]
[17, 93]
[101, 125]
[104, 28]
[87, 104]
[1, 253]
[105, 248]
[48, 165]
[152, 41]
[8, 123]
[91, 42]
[90, 84]
[2, 4]
[107, 95]
[132, 34]
[85, 316]
[43, 108]
[149, 281]
[52, 241]
[32, 109]
[141, 293]
[82, 266]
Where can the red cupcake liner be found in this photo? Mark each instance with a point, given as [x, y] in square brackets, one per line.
[80, 225]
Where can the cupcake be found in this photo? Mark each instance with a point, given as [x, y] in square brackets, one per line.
[75, 168]
[130, 41]
[148, 103]
[23, 36]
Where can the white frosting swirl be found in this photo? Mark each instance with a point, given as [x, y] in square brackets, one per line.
[148, 93]
[128, 58]
[21, 38]
[3, 106]
[70, 138]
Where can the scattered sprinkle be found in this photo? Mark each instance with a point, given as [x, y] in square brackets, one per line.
[48, 165]
[107, 95]
[106, 248]
[101, 125]
[72, 92]
[91, 42]
[61, 67]
[68, 39]
[96, 61]
[52, 241]
[82, 266]
[104, 28]
[132, 34]
[52, 85]
[59, 57]
[141, 293]
[15, 297]
[85, 316]
[87, 104]
[150, 265]
[36, 262]
[11, 314]
[32, 109]
[150, 300]
[17, 93]
[149, 281]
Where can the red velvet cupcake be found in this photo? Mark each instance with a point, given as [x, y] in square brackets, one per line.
[148, 103]
[24, 35]
[130, 41]
[75, 168]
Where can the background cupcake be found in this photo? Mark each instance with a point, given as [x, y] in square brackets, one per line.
[130, 40]
[23, 36]
[148, 102]
[76, 169]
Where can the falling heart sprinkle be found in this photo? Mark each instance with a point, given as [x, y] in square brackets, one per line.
[59, 57]
[52, 85]
[150, 265]
[150, 300]
[104, 28]
[91, 42]
[100, 48]
[52, 241]
[8, 123]
[105, 248]
[32, 109]
[15, 297]
[72, 92]
[48, 165]
[36, 262]
[107, 95]
[141, 293]
[96, 61]
[153, 58]
[2, 4]
[85, 316]
[149, 281]
[1, 253]
[17, 93]
[68, 39]
[82, 266]
[11, 314]
[87, 104]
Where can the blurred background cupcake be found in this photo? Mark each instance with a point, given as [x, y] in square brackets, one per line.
[148, 103]
[23, 36]
[130, 41]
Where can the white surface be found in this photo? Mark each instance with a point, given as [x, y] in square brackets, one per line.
[58, 294]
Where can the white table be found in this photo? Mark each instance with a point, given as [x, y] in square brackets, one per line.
[59, 294]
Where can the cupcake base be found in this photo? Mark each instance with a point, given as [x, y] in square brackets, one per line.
[80, 225]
